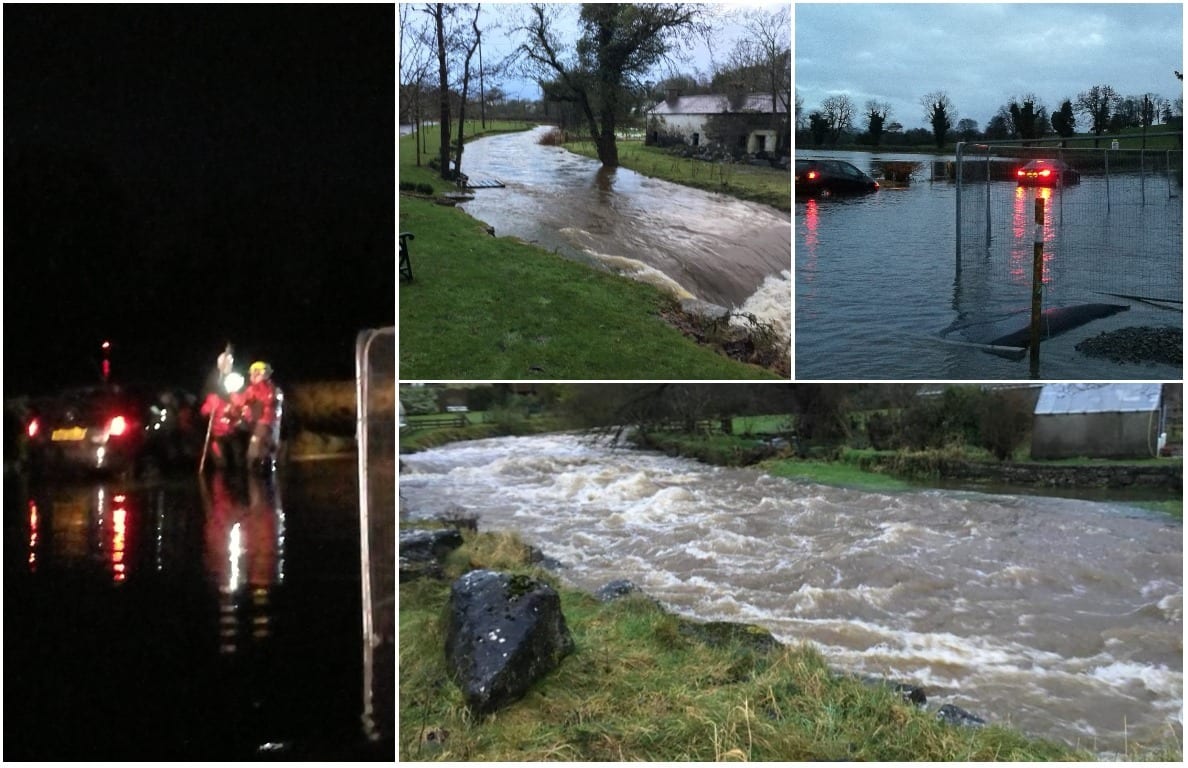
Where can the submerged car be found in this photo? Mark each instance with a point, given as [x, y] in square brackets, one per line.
[1046, 173]
[831, 177]
[110, 429]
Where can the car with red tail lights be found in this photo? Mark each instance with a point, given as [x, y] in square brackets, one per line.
[1046, 173]
[824, 177]
[110, 429]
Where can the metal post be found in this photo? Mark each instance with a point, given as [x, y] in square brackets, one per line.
[1037, 283]
[1143, 175]
[987, 199]
[1106, 152]
[960, 148]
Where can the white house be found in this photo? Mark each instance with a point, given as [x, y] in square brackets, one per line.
[686, 116]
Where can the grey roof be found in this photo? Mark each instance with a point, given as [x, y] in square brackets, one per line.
[1098, 398]
[710, 104]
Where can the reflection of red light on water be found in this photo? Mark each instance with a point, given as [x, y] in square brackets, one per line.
[34, 521]
[119, 519]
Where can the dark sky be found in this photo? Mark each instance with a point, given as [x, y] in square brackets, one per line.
[176, 177]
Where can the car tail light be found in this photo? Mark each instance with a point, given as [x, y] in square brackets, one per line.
[1020, 173]
[1046, 172]
[33, 429]
[118, 426]
[812, 175]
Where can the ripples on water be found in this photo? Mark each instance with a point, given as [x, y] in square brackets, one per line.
[1060, 617]
[877, 284]
[689, 242]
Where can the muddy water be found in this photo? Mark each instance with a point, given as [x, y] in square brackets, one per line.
[1062, 618]
[693, 243]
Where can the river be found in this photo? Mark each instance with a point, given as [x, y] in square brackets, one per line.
[695, 244]
[1062, 618]
[879, 294]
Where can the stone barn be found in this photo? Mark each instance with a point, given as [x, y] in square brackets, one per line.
[740, 121]
[1115, 421]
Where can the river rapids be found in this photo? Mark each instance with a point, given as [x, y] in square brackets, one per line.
[1062, 618]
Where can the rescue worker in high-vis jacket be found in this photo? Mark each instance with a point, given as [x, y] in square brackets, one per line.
[261, 408]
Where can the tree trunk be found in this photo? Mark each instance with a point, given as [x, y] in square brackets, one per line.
[444, 85]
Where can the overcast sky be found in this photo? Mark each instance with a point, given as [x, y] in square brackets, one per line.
[983, 54]
[499, 22]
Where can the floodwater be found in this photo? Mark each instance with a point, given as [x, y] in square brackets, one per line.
[695, 244]
[181, 622]
[879, 294]
[1062, 618]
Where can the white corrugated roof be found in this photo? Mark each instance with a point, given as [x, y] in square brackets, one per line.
[1098, 398]
[711, 104]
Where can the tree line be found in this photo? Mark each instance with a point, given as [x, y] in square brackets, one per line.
[1099, 109]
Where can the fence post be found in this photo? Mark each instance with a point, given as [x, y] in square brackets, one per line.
[1037, 285]
[960, 149]
[1106, 152]
[987, 198]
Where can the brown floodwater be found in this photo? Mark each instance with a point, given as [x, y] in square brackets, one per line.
[695, 244]
[1060, 617]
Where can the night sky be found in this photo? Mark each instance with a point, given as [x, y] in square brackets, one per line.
[176, 177]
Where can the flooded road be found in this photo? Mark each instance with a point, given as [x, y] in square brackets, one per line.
[1062, 618]
[879, 294]
[179, 622]
[692, 243]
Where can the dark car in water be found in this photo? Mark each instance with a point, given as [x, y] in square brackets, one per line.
[111, 429]
[831, 177]
[1046, 173]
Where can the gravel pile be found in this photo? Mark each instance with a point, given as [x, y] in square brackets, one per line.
[1140, 344]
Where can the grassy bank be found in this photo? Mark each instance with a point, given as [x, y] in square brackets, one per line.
[769, 186]
[645, 685]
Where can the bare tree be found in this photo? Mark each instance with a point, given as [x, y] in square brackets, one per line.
[468, 47]
[438, 12]
[838, 112]
[619, 43]
[415, 61]
[1097, 102]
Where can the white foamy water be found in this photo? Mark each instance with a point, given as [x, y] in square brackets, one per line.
[1062, 618]
[691, 243]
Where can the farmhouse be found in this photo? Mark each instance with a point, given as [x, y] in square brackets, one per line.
[744, 122]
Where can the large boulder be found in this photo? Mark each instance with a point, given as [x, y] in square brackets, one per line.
[421, 551]
[503, 633]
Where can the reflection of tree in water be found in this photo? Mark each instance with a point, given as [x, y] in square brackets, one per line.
[244, 533]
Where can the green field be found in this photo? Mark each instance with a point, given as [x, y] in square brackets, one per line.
[747, 182]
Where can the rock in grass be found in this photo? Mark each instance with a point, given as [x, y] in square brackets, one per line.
[421, 550]
[954, 715]
[504, 632]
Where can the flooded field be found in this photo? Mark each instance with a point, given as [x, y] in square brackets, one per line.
[880, 293]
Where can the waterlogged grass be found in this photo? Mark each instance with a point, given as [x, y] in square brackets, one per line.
[836, 473]
[639, 687]
[482, 307]
[769, 186]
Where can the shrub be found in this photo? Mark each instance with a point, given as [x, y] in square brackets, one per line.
[554, 138]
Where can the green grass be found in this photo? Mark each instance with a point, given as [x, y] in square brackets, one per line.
[747, 182]
[482, 307]
[639, 686]
[837, 473]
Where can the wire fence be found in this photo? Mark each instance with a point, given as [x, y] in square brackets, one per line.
[1113, 220]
